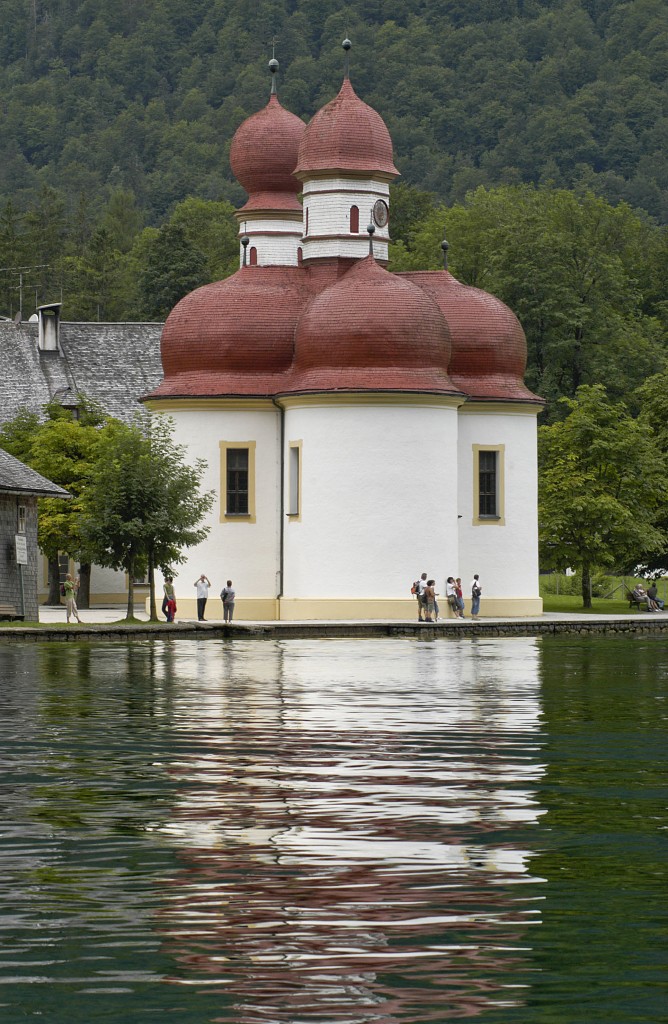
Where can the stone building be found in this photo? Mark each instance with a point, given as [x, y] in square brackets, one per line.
[46, 359]
[20, 487]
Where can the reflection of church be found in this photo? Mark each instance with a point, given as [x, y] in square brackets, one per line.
[359, 426]
[350, 852]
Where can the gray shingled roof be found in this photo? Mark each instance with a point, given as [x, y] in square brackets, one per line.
[17, 478]
[112, 364]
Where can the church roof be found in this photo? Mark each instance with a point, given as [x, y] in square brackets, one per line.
[111, 364]
[17, 478]
[347, 135]
[263, 157]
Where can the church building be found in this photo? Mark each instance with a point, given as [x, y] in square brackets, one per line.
[360, 427]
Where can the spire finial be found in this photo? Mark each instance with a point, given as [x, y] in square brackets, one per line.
[346, 44]
[245, 241]
[445, 246]
[273, 66]
[371, 228]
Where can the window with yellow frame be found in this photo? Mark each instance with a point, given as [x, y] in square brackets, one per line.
[488, 485]
[237, 481]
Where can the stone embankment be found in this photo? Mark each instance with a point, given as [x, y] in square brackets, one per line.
[546, 625]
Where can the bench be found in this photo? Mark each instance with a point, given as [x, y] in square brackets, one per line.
[8, 611]
[634, 602]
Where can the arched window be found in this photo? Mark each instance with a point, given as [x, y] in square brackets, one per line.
[300, 255]
[354, 220]
[253, 256]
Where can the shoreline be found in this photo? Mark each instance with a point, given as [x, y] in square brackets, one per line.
[550, 624]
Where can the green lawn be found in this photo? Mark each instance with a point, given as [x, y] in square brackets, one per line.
[600, 605]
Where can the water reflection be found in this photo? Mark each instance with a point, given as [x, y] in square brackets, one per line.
[352, 824]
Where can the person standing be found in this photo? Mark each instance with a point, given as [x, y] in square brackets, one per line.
[202, 585]
[451, 596]
[168, 595]
[422, 604]
[70, 587]
[227, 596]
[476, 591]
[430, 601]
[460, 597]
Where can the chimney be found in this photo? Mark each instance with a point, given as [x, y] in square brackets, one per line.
[49, 327]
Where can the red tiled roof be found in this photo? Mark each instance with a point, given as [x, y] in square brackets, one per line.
[263, 156]
[235, 336]
[346, 135]
[489, 349]
[371, 330]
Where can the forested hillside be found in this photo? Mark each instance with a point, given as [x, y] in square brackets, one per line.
[535, 131]
[145, 95]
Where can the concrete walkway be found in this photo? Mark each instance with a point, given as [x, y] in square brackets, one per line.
[50, 614]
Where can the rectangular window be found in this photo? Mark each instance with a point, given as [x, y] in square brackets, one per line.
[21, 519]
[488, 484]
[487, 496]
[237, 481]
[295, 478]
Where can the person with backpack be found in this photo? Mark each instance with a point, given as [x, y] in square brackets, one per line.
[418, 589]
[227, 596]
[476, 591]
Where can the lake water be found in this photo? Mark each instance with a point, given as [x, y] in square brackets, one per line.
[342, 832]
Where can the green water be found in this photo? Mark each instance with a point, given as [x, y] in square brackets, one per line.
[343, 832]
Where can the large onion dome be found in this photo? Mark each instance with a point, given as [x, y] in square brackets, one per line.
[234, 337]
[489, 349]
[346, 135]
[371, 331]
[263, 156]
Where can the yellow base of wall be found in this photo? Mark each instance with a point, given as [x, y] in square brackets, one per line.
[342, 609]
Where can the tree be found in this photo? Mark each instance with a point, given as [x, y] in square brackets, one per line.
[602, 482]
[170, 268]
[143, 503]
[63, 449]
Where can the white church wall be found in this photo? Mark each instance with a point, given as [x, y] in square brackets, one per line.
[328, 201]
[378, 506]
[503, 552]
[244, 548]
[275, 239]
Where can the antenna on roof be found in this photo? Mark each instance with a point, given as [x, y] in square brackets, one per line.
[346, 44]
[445, 246]
[244, 241]
[273, 66]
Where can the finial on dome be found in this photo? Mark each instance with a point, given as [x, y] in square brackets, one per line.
[245, 240]
[273, 67]
[346, 44]
[445, 246]
[372, 230]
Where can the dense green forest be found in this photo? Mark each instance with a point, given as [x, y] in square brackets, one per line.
[533, 131]
[145, 95]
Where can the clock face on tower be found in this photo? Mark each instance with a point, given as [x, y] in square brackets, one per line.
[381, 213]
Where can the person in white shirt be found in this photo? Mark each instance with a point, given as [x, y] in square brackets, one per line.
[476, 591]
[202, 585]
[422, 604]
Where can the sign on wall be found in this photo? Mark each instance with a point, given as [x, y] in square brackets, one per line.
[21, 549]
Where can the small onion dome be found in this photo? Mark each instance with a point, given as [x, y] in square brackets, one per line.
[346, 135]
[263, 156]
[234, 337]
[489, 349]
[371, 331]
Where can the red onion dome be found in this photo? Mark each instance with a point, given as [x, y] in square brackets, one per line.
[263, 156]
[346, 135]
[489, 349]
[371, 331]
[234, 337]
